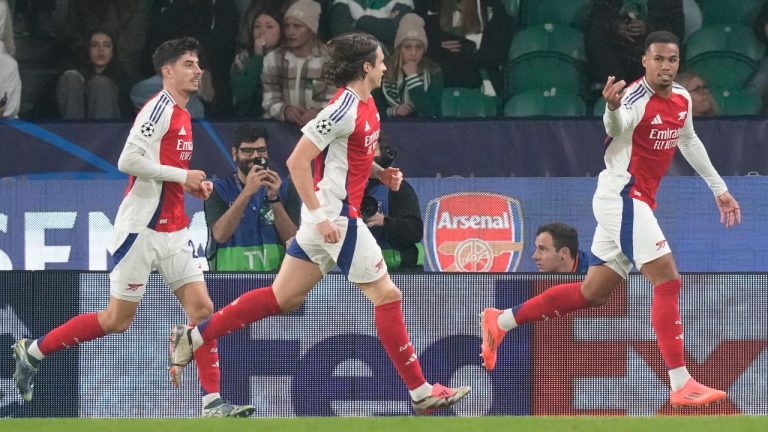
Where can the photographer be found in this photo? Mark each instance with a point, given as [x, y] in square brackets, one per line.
[251, 213]
[394, 217]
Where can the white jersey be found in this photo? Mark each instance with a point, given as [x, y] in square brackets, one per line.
[163, 133]
[346, 131]
[643, 136]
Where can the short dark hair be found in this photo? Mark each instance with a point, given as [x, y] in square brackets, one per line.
[171, 50]
[248, 132]
[562, 235]
[660, 36]
[348, 53]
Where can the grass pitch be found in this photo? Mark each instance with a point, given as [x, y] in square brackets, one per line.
[399, 424]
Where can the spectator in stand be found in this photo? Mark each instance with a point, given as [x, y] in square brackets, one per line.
[702, 102]
[470, 40]
[616, 31]
[379, 18]
[10, 85]
[413, 84]
[265, 36]
[557, 250]
[294, 90]
[97, 88]
[125, 20]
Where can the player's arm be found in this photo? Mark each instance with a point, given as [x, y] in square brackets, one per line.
[390, 177]
[619, 116]
[694, 152]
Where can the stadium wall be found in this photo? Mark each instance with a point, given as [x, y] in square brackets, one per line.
[428, 148]
[67, 224]
[325, 360]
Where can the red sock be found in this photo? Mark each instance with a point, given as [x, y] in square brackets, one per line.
[207, 361]
[665, 317]
[246, 309]
[390, 326]
[554, 302]
[82, 328]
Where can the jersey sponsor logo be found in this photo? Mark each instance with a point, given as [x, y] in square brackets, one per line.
[656, 120]
[474, 232]
[324, 126]
[664, 139]
[147, 129]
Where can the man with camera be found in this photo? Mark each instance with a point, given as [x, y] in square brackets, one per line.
[251, 213]
[394, 217]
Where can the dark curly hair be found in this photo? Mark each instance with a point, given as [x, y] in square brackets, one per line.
[348, 53]
[171, 50]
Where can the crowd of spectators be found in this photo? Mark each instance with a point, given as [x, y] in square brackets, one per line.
[262, 58]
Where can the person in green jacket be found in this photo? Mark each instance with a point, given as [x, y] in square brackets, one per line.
[412, 84]
[264, 36]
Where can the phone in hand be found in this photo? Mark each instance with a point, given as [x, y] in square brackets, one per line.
[260, 161]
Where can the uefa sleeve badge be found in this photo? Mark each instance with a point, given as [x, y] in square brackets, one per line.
[147, 129]
[324, 126]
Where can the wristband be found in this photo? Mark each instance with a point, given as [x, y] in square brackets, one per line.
[272, 201]
[318, 215]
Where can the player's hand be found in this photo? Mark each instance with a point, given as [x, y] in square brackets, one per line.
[391, 178]
[376, 219]
[330, 232]
[206, 187]
[613, 92]
[730, 213]
[272, 182]
[194, 180]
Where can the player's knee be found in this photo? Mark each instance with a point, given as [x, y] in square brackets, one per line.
[596, 296]
[201, 311]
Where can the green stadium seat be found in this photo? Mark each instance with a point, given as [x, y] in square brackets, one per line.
[730, 11]
[733, 38]
[599, 109]
[545, 103]
[543, 73]
[467, 102]
[569, 12]
[548, 39]
[723, 70]
[737, 102]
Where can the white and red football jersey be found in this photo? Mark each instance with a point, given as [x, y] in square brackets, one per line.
[347, 132]
[164, 131]
[637, 159]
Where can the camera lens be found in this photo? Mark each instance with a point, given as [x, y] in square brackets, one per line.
[369, 206]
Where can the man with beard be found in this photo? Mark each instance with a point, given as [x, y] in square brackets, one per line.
[252, 213]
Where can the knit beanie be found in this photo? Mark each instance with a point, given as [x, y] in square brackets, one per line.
[411, 27]
[306, 11]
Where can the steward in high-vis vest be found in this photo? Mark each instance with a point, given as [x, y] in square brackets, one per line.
[252, 212]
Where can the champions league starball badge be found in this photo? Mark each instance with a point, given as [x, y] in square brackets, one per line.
[323, 126]
[147, 129]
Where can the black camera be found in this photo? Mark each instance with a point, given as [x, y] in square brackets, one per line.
[369, 206]
[260, 161]
[387, 155]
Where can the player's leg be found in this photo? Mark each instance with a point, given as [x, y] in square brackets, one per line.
[133, 262]
[608, 269]
[361, 257]
[668, 327]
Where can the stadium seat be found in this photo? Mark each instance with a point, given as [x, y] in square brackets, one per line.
[599, 109]
[733, 38]
[568, 12]
[737, 102]
[545, 103]
[730, 11]
[726, 55]
[549, 39]
[545, 72]
[467, 102]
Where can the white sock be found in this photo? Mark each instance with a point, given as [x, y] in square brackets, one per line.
[678, 377]
[507, 320]
[34, 351]
[421, 391]
[197, 338]
[210, 397]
